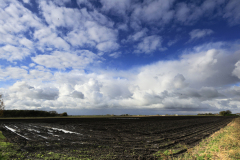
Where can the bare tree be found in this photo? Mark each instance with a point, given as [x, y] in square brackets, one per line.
[2, 106]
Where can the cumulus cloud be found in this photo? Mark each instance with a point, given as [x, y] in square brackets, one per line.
[199, 33]
[22, 90]
[77, 94]
[194, 82]
[236, 71]
[179, 81]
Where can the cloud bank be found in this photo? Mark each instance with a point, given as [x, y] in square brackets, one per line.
[58, 55]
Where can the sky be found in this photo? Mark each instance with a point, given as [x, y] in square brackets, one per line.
[120, 56]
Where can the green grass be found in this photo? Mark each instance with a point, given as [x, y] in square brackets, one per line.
[224, 144]
[6, 148]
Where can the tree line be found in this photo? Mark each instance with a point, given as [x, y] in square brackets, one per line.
[31, 113]
[221, 113]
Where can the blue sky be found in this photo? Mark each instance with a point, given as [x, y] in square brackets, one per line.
[121, 56]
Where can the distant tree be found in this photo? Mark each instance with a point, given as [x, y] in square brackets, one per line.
[2, 106]
[64, 114]
[53, 113]
[222, 113]
[228, 112]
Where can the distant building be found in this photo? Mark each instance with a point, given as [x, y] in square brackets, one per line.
[238, 114]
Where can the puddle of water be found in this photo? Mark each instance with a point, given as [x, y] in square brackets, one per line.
[42, 136]
[63, 130]
[34, 130]
[14, 131]
[54, 134]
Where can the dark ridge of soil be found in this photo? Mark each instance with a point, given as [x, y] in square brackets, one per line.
[126, 138]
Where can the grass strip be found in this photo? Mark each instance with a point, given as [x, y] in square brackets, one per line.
[223, 144]
[5, 147]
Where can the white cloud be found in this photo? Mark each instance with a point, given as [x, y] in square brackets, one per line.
[172, 42]
[26, 42]
[100, 33]
[32, 64]
[47, 38]
[151, 11]
[199, 79]
[15, 18]
[123, 27]
[149, 44]
[13, 73]
[182, 12]
[232, 12]
[115, 54]
[194, 82]
[26, 1]
[59, 16]
[22, 90]
[236, 71]
[200, 33]
[179, 81]
[117, 7]
[15, 21]
[190, 13]
[80, 38]
[85, 2]
[12, 53]
[61, 2]
[62, 60]
[86, 28]
[107, 46]
[137, 36]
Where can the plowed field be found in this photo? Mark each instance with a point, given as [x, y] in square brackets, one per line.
[113, 138]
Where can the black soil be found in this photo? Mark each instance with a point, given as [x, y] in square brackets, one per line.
[110, 138]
